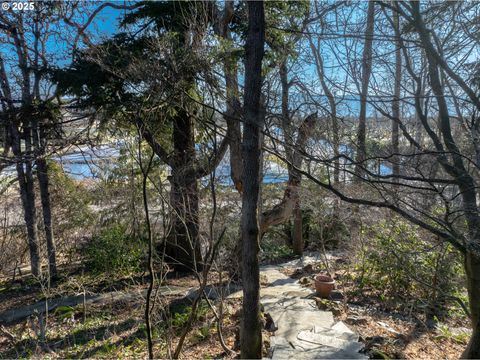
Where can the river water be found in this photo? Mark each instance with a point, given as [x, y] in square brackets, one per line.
[98, 162]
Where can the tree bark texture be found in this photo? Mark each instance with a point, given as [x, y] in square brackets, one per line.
[333, 108]
[297, 238]
[233, 107]
[27, 194]
[39, 142]
[366, 71]
[396, 102]
[251, 334]
[282, 211]
[44, 185]
[184, 245]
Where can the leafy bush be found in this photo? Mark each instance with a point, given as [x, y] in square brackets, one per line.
[329, 230]
[182, 312]
[114, 250]
[271, 250]
[400, 261]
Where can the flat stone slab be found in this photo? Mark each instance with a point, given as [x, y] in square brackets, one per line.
[279, 285]
[294, 315]
[288, 292]
[314, 340]
[344, 330]
[285, 292]
[336, 332]
[272, 274]
[284, 353]
[306, 259]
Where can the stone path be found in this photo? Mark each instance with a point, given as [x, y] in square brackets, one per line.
[302, 330]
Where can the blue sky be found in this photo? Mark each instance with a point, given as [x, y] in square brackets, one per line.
[107, 21]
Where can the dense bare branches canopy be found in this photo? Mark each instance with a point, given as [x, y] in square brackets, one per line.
[199, 141]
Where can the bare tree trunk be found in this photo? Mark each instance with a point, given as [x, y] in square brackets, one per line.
[366, 71]
[333, 109]
[298, 242]
[396, 102]
[297, 238]
[39, 144]
[27, 194]
[184, 246]
[472, 269]
[3, 137]
[283, 210]
[251, 332]
[44, 186]
[233, 106]
[23, 159]
[464, 181]
[151, 273]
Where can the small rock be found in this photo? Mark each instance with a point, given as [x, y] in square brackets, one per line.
[329, 305]
[308, 268]
[269, 323]
[377, 354]
[336, 311]
[356, 320]
[336, 295]
[387, 327]
[322, 304]
[374, 340]
[305, 281]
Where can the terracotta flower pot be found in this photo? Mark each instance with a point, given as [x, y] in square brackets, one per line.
[324, 285]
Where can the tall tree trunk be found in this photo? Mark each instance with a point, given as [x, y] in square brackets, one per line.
[234, 132]
[251, 332]
[184, 246]
[233, 106]
[44, 186]
[333, 109]
[472, 270]
[297, 242]
[464, 180]
[283, 210]
[3, 136]
[27, 194]
[418, 134]
[297, 236]
[366, 71]
[396, 102]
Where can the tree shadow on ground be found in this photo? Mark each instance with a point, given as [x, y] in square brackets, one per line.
[125, 341]
[79, 337]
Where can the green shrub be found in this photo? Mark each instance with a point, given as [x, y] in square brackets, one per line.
[272, 250]
[114, 250]
[329, 230]
[399, 261]
[182, 312]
